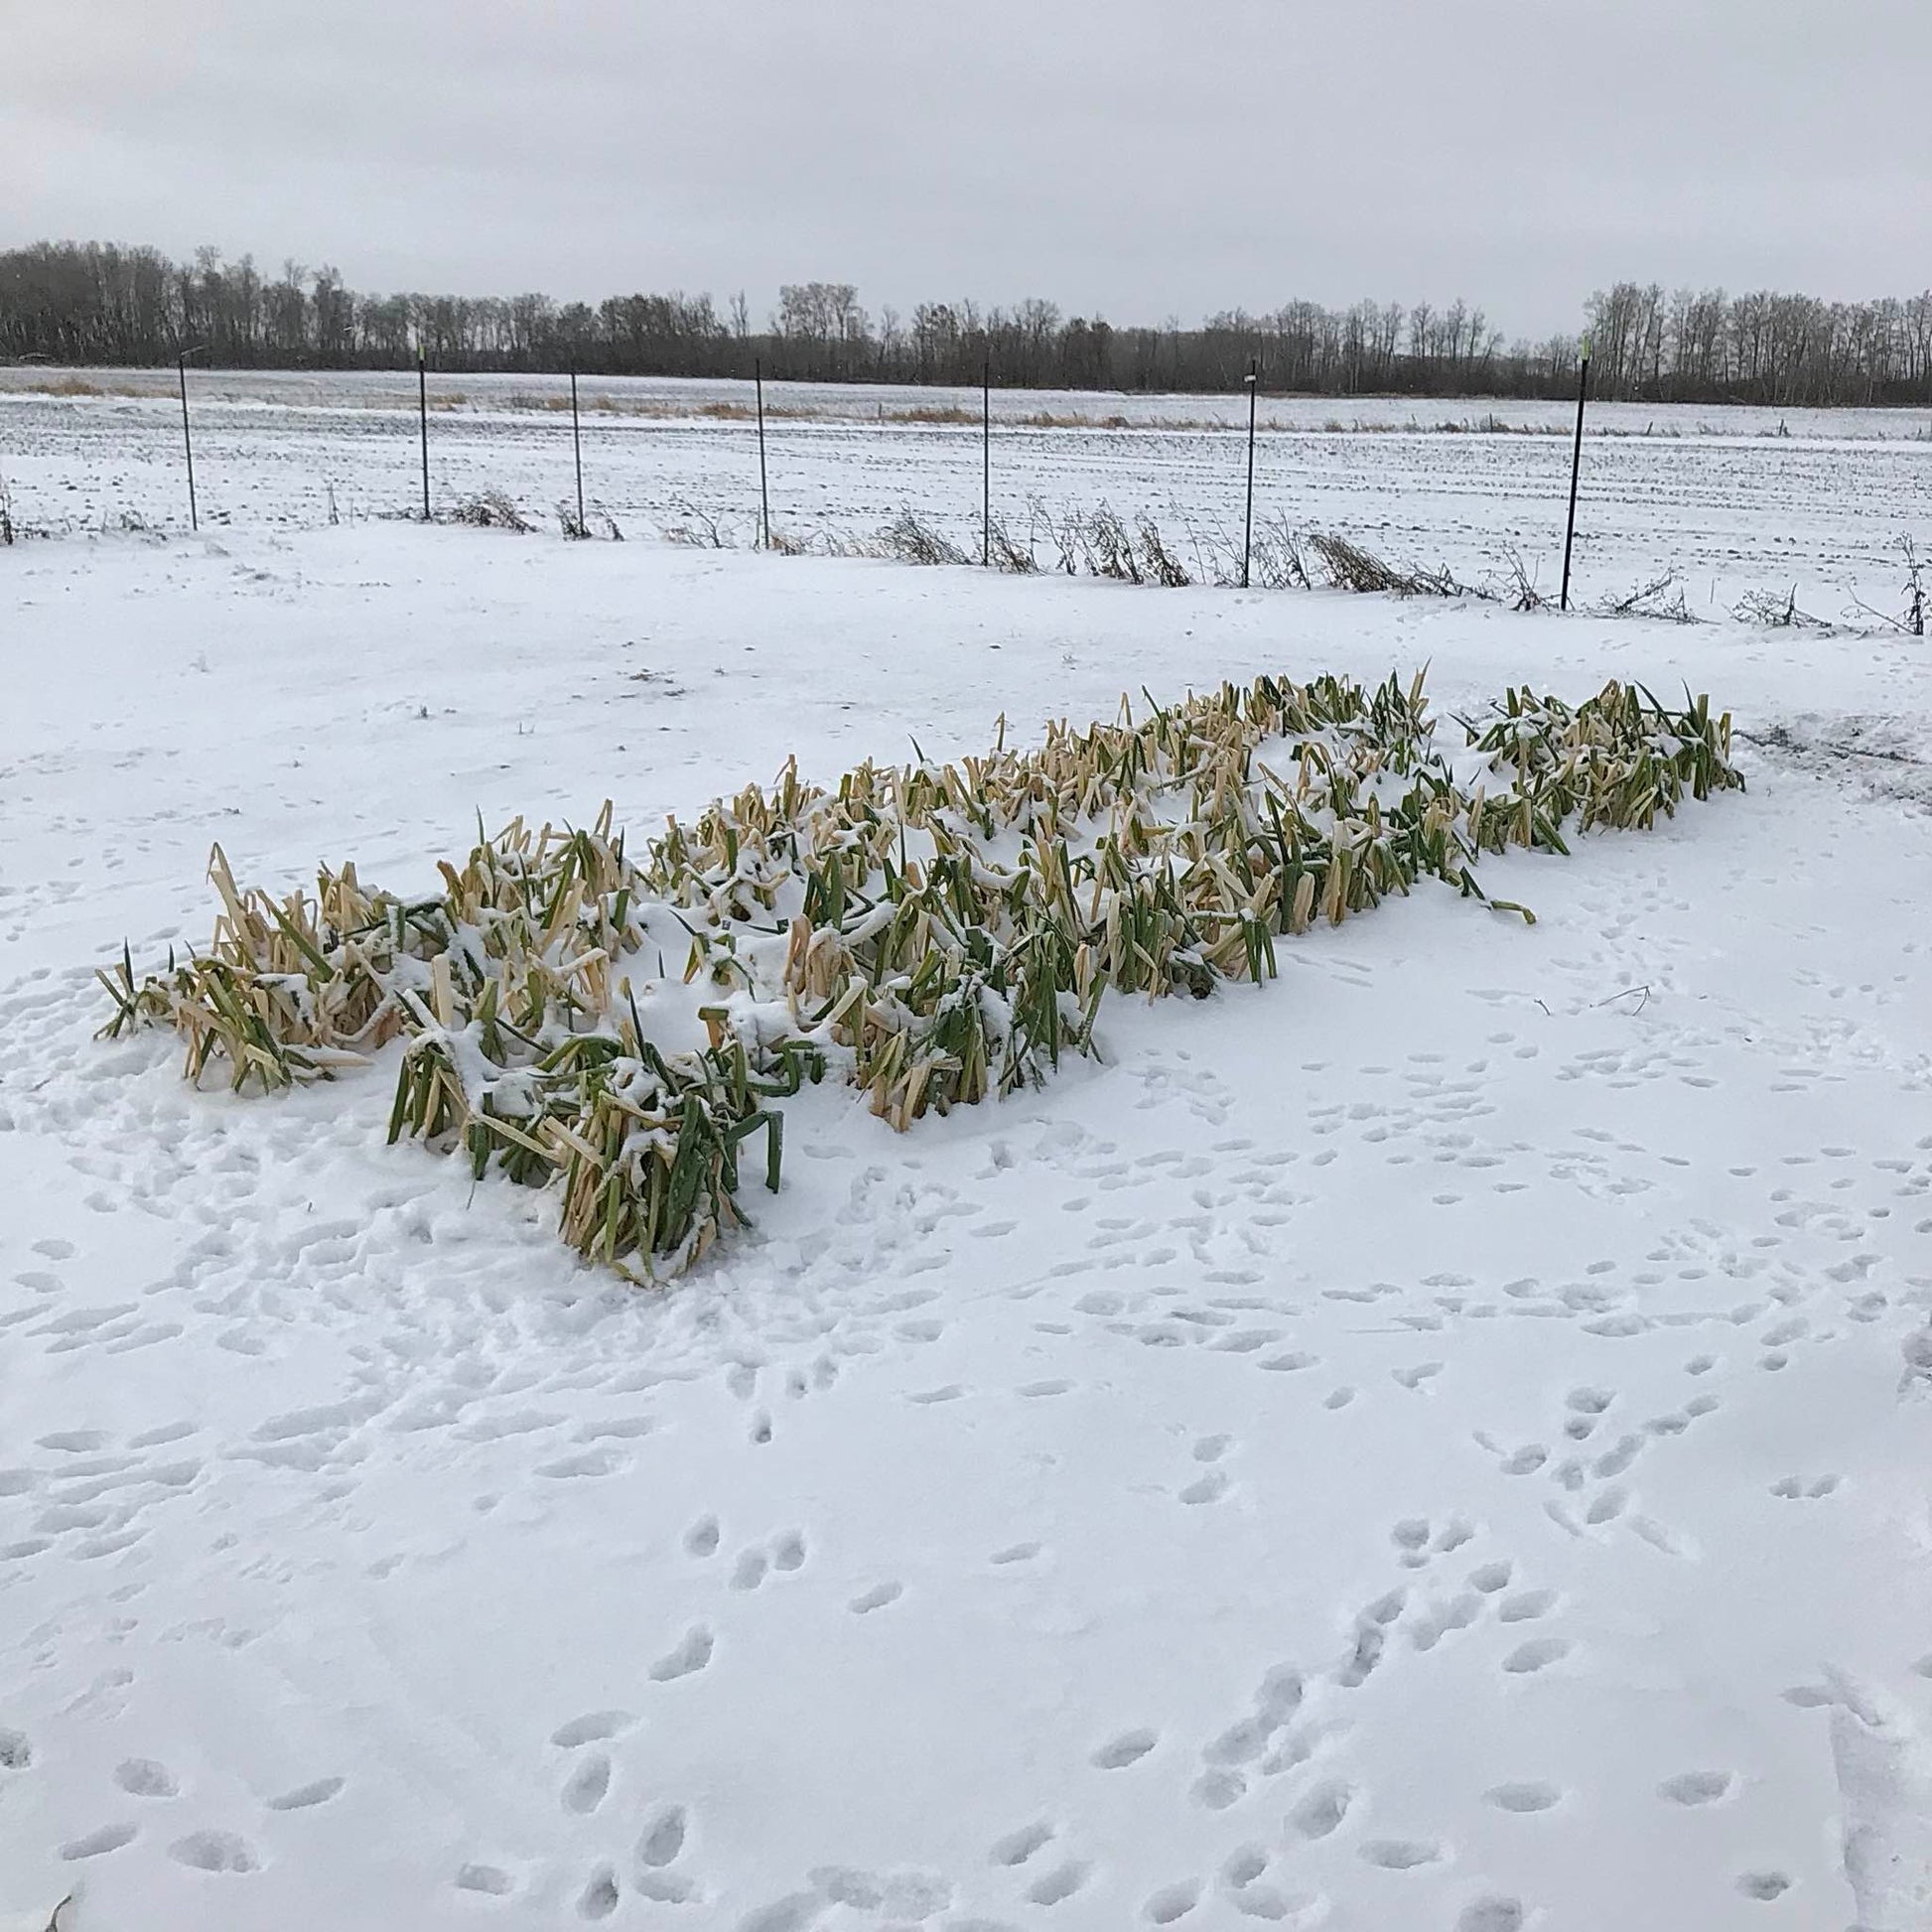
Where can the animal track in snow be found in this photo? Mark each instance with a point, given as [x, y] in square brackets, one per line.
[1050, 1888]
[490, 1879]
[585, 1788]
[590, 1728]
[1128, 1749]
[1207, 1488]
[1536, 1655]
[749, 1570]
[1523, 1797]
[701, 1539]
[1491, 1913]
[1526, 1605]
[16, 1753]
[876, 1599]
[142, 1778]
[600, 1896]
[1173, 1902]
[215, 1852]
[663, 1837]
[1018, 1847]
[1796, 1488]
[1696, 1787]
[1765, 1885]
[693, 1654]
[1400, 1854]
[1321, 1811]
[109, 1837]
[304, 1796]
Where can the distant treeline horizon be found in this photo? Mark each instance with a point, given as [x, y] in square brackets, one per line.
[101, 303]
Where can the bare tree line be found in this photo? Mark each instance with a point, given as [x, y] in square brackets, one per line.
[98, 304]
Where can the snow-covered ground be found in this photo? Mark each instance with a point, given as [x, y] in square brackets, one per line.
[1438, 1441]
[1730, 500]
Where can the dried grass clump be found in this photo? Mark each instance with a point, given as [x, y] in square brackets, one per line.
[937, 933]
[491, 510]
[1658, 597]
[1774, 611]
[1351, 568]
[912, 540]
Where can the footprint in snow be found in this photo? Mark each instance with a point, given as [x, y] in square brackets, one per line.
[663, 1837]
[600, 1896]
[585, 1786]
[1050, 1888]
[1173, 1902]
[1128, 1749]
[1018, 1847]
[693, 1654]
[590, 1728]
[876, 1599]
[1524, 1797]
[1400, 1854]
[1526, 1606]
[1537, 1654]
[142, 1778]
[490, 1879]
[1696, 1787]
[1493, 1913]
[109, 1837]
[215, 1852]
[1321, 1810]
[301, 1799]
[701, 1539]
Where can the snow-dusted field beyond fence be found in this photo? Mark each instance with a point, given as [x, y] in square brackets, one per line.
[1730, 501]
[1436, 1442]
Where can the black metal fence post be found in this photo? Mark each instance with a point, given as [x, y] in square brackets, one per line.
[422, 417]
[986, 464]
[1248, 525]
[765, 489]
[577, 450]
[188, 442]
[1576, 467]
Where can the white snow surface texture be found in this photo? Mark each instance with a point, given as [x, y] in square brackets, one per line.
[1435, 1444]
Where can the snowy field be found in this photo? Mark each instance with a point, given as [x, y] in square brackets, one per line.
[1438, 1443]
[1728, 501]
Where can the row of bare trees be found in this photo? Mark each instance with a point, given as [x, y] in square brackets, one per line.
[1691, 344]
[96, 303]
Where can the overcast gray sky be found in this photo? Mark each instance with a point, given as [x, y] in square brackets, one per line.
[1132, 158]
